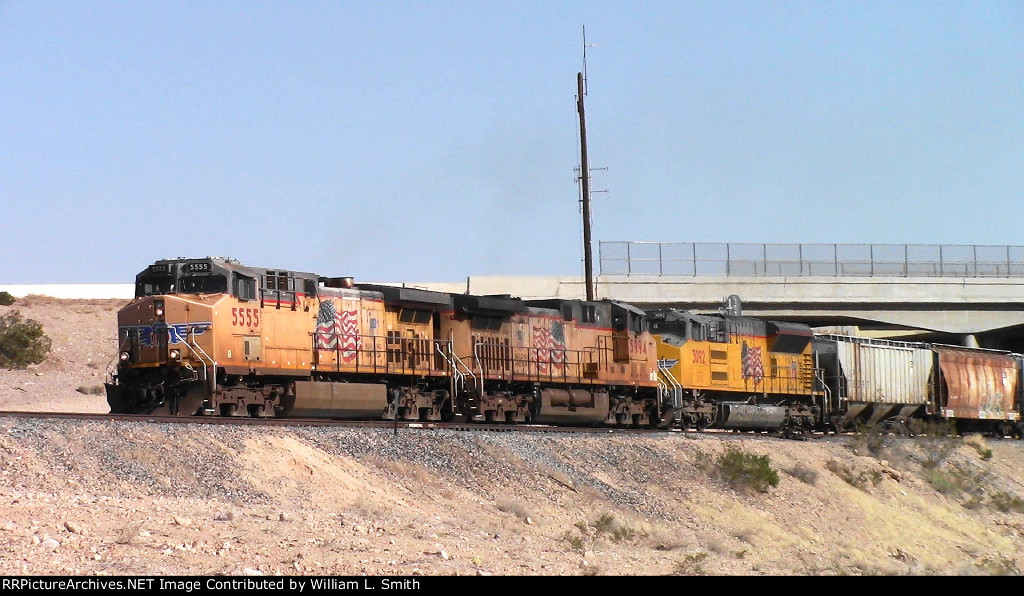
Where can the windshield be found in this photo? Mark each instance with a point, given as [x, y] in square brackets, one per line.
[204, 284]
[155, 285]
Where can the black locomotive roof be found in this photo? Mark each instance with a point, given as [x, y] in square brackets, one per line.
[775, 327]
[498, 305]
[178, 266]
[630, 308]
[412, 297]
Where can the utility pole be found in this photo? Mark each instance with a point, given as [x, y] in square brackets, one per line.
[585, 180]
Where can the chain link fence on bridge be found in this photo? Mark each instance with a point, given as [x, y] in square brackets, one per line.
[796, 260]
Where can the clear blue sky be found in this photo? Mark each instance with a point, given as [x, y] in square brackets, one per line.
[429, 141]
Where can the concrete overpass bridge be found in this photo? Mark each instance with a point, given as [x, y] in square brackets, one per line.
[947, 310]
[967, 295]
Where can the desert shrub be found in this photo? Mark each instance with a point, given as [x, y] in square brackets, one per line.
[941, 481]
[957, 479]
[692, 564]
[605, 523]
[938, 429]
[862, 479]
[743, 470]
[979, 445]
[618, 530]
[6, 299]
[22, 341]
[805, 473]
[1007, 502]
[609, 526]
[938, 450]
[870, 437]
[576, 541]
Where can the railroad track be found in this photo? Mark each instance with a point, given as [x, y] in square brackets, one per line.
[299, 422]
[396, 426]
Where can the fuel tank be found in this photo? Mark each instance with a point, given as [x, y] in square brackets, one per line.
[743, 416]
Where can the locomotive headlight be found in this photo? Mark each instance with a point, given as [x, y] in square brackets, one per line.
[125, 356]
[158, 308]
[175, 354]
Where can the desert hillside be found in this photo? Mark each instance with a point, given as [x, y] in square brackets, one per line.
[126, 498]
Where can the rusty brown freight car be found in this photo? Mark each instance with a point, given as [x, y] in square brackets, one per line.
[980, 389]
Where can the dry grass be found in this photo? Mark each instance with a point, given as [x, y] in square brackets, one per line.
[91, 390]
[414, 472]
[863, 479]
[515, 508]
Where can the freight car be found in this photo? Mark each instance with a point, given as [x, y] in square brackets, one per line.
[900, 384]
[211, 336]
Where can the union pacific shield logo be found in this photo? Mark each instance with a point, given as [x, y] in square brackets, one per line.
[149, 335]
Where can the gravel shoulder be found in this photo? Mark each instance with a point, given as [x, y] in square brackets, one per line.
[127, 498]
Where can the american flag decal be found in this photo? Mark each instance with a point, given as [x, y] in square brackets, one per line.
[550, 345]
[338, 330]
[752, 366]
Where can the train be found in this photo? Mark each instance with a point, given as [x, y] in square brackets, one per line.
[213, 337]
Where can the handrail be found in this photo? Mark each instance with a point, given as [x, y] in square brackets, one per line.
[819, 376]
[673, 387]
[197, 349]
[476, 356]
[454, 361]
[112, 366]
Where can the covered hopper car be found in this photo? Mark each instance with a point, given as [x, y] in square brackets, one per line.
[878, 381]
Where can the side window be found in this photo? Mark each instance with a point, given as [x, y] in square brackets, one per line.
[697, 331]
[245, 287]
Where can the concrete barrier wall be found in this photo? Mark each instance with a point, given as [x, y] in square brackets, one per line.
[73, 291]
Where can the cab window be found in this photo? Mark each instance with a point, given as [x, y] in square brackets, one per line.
[204, 284]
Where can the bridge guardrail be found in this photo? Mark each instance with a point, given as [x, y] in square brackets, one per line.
[804, 260]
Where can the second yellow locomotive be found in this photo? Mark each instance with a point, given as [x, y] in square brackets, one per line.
[741, 373]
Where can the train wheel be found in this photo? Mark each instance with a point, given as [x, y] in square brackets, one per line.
[447, 411]
[1004, 429]
[255, 411]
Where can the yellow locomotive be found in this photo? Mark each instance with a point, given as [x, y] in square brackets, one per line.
[740, 373]
[212, 336]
